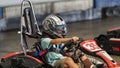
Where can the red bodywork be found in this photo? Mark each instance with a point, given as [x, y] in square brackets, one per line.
[4, 58]
[91, 47]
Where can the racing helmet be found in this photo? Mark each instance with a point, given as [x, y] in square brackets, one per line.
[55, 23]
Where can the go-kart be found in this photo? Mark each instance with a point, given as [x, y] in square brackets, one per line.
[91, 48]
[110, 41]
[35, 57]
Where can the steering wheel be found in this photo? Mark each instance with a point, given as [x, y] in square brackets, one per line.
[71, 49]
[70, 46]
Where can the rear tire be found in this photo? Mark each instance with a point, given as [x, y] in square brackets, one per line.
[20, 61]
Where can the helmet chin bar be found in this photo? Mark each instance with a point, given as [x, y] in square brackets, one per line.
[57, 35]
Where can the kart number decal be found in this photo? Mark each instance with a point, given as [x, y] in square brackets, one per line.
[91, 46]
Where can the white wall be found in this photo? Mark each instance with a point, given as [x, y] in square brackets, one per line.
[70, 10]
[72, 5]
[4, 3]
[51, 7]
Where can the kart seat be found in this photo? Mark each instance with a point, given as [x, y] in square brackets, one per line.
[42, 57]
[30, 29]
[39, 49]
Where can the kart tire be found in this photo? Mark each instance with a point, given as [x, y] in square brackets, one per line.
[20, 62]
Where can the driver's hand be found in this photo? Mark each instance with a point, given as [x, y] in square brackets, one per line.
[75, 39]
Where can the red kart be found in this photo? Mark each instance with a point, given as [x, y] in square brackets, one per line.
[91, 48]
[110, 41]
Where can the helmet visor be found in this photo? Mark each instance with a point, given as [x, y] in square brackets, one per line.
[61, 29]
